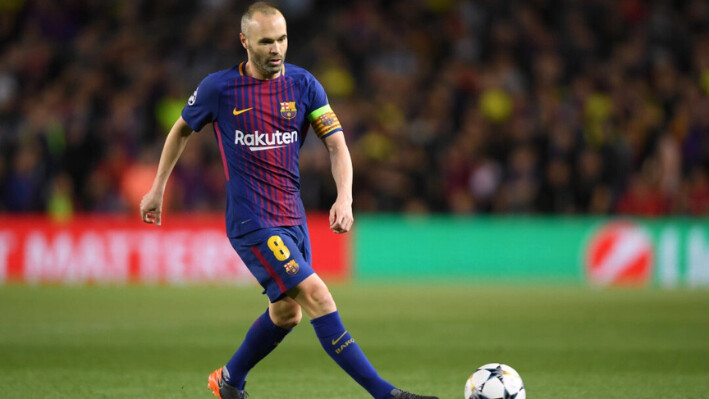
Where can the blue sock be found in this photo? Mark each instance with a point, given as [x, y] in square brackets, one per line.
[261, 339]
[341, 347]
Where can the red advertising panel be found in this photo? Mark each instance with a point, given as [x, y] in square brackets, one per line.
[620, 253]
[121, 249]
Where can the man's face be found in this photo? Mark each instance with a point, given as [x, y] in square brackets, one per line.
[266, 42]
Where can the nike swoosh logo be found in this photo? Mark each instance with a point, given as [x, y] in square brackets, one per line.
[241, 111]
[335, 341]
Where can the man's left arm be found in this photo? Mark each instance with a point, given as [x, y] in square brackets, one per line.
[341, 217]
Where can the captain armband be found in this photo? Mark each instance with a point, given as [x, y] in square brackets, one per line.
[324, 121]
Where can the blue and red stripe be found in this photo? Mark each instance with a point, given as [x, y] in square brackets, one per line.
[269, 269]
[294, 153]
[262, 156]
[281, 179]
[218, 133]
[266, 185]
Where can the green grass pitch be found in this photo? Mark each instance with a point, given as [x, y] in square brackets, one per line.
[162, 342]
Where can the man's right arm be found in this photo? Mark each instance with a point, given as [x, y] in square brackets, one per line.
[151, 205]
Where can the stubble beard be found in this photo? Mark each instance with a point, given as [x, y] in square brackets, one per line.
[262, 65]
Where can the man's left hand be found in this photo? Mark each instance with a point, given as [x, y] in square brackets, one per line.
[341, 218]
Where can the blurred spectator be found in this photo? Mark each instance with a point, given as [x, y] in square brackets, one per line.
[464, 106]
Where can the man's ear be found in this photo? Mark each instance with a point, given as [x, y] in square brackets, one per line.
[242, 38]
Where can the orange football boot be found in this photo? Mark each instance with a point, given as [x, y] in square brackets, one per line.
[221, 389]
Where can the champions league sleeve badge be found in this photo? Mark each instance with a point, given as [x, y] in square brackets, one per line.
[193, 97]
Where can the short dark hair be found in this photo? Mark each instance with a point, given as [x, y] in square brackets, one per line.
[258, 7]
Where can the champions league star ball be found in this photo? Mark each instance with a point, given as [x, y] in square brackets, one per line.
[495, 381]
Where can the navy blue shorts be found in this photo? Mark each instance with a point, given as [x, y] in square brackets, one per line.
[278, 257]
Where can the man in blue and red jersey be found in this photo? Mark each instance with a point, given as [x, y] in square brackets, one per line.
[261, 111]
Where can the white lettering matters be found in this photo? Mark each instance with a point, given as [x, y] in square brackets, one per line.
[118, 256]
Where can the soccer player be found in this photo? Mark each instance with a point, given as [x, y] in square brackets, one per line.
[260, 111]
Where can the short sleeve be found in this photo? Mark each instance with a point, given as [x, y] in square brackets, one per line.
[320, 115]
[203, 104]
[316, 94]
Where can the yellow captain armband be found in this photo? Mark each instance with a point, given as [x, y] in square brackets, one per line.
[324, 121]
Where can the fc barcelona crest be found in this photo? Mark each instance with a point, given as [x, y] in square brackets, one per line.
[291, 267]
[327, 119]
[288, 110]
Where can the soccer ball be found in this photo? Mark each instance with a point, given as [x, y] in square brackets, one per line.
[495, 381]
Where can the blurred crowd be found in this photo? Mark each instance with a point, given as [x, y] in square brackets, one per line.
[456, 106]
